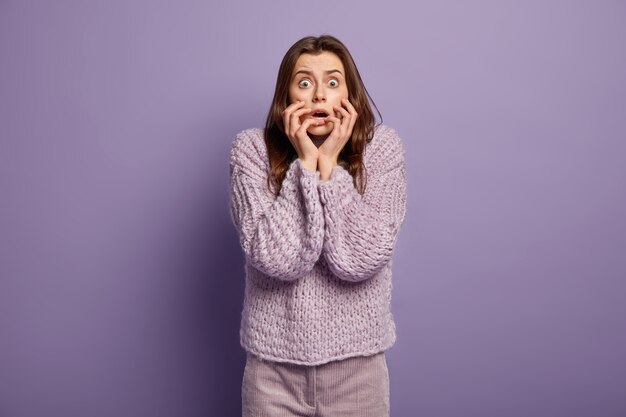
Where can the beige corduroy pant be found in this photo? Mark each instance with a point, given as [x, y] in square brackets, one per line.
[357, 386]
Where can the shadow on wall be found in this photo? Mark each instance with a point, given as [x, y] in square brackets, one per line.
[213, 282]
[216, 295]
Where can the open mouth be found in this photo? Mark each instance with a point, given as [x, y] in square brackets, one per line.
[319, 114]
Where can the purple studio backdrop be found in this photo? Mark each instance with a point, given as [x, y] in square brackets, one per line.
[121, 275]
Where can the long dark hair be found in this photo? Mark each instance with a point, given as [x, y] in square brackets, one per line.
[280, 150]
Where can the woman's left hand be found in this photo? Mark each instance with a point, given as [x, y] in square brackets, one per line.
[338, 137]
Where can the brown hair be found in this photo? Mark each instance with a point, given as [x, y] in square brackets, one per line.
[281, 152]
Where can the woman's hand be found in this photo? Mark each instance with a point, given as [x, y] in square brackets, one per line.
[339, 136]
[296, 132]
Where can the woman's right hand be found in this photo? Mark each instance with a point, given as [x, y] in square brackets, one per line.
[296, 132]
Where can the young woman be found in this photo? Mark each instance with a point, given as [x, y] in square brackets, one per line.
[317, 198]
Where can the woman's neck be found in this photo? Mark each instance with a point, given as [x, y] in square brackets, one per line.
[318, 140]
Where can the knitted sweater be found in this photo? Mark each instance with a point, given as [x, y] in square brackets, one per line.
[318, 256]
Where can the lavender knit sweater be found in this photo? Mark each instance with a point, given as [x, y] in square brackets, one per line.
[318, 256]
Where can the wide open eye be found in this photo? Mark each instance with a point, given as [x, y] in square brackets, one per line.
[304, 83]
[333, 83]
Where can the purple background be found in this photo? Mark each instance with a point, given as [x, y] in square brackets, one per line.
[121, 274]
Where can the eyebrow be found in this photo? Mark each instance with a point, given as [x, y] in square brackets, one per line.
[330, 71]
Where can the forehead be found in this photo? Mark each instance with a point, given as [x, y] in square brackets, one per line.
[319, 62]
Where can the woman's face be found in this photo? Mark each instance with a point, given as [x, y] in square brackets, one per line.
[319, 80]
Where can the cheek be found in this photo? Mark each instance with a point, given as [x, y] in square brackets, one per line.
[341, 95]
[295, 95]
[291, 97]
[337, 100]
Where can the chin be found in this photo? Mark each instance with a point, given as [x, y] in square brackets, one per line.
[320, 130]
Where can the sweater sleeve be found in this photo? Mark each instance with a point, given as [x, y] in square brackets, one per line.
[361, 230]
[282, 235]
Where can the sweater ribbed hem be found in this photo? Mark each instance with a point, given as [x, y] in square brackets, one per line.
[267, 357]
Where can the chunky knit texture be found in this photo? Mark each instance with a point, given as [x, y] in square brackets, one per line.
[318, 255]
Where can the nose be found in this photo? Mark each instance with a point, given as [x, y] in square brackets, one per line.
[319, 95]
